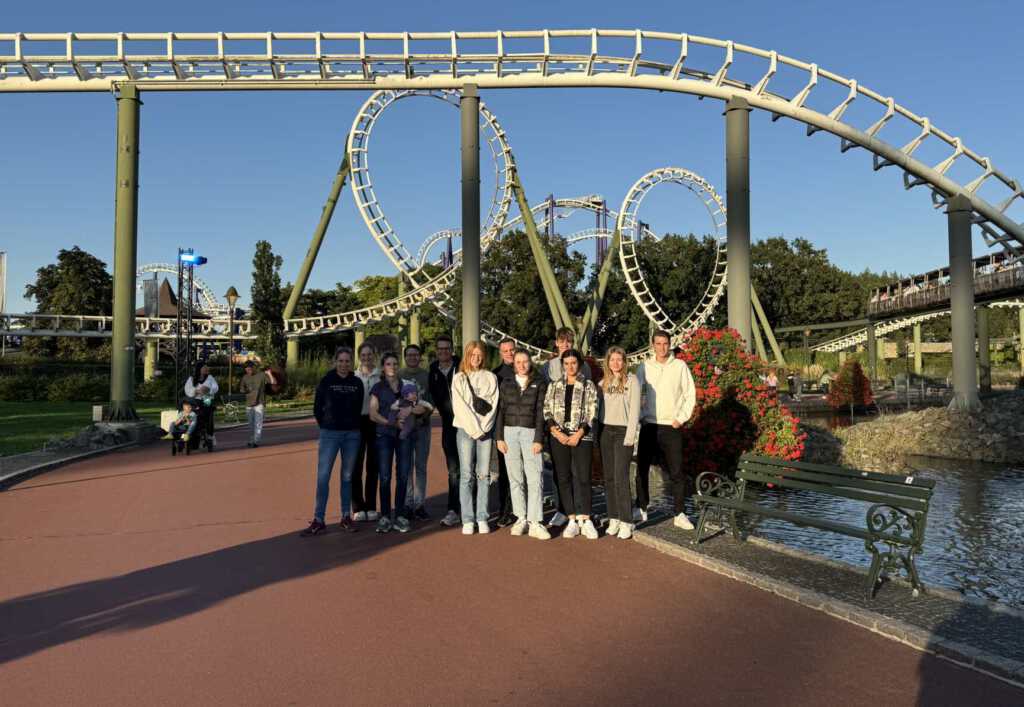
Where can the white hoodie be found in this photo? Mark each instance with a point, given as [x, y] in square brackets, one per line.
[485, 385]
[667, 391]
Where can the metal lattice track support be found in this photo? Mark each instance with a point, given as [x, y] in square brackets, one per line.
[542, 58]
[628, 222]
[860, 336]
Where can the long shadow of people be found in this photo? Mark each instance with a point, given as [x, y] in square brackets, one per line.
[172, 590]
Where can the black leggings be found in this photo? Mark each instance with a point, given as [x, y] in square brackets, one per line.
[572, 474]
[669, 442]
[615, 459]
[364, 498]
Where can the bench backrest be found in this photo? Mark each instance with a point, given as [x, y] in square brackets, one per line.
[907, 492]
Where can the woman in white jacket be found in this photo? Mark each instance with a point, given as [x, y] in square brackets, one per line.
[475, 406]
[203, 387]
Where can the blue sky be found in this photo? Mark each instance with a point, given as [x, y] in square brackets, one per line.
[220, 171]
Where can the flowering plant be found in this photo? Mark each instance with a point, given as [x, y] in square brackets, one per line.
[850, 387]
[735, 412]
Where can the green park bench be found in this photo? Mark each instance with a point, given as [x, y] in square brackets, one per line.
[897, 507]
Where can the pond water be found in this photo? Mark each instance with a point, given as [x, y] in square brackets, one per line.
[974, 542]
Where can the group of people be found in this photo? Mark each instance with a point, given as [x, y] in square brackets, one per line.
[377, 415]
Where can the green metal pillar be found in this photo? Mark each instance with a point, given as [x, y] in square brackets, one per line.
[589, 322]
[126, 222]
[984, 355]
[291, 353]
[552, 293]
[737, 190]
[842, 358]
[152, 354]
[961, 300]
[872, 353]
[414, 327]
[360, 337]
[403, 321]
[918, 355]
[1020, 334]
[766, 328]
[758, 341]
[469, 108]
[318, 237]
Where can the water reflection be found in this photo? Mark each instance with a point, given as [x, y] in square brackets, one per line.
[974, 542]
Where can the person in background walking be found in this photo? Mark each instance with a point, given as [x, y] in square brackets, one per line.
[519, 431]
[505, 371]
[564, 339]
[570, 413]
[669, 397]
[337, 407]
[254, 385]
[475, 404]
[416, 492]
[392, 448]
[364, 478]
[442, 372]
[620, 426]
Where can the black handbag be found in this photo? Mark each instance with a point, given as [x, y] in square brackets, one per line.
[481, 406]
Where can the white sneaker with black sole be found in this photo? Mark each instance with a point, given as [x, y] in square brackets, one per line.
[625, 531]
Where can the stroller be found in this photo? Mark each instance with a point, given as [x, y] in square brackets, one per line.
[191, 433]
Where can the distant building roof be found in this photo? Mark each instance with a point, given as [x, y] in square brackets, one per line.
[167, 304]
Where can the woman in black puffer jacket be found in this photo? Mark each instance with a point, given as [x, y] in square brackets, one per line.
[519, 430]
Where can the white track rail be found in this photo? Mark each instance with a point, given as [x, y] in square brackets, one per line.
[86, 326]
[856, 338]
[628, 226]
[541, 58]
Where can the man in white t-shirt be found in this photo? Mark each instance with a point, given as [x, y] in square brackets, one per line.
[668, 397]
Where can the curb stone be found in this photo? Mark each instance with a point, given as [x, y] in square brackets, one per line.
[1002, 668]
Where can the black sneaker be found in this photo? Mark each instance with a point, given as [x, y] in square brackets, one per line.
[506, 520]
[421, 514]
[315, 528]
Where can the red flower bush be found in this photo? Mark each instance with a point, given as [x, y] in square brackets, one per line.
[736, 412]
[850, 387]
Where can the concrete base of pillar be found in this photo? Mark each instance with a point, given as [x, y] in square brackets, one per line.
[965, 402]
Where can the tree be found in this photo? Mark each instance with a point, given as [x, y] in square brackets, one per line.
[78, 283]
[267, 307]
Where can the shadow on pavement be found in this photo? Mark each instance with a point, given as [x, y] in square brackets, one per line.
[169, 591]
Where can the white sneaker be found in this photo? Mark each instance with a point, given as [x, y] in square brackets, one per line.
[451, 519]
[467, 528]
[558, 520]
[683, 522]
[613, 526]
[482, 527]
[537, 530]
[589, 531]
[571, 530]
[639, 515]
[625, 531]
[359, 517]
[519, 527]
[372, 515]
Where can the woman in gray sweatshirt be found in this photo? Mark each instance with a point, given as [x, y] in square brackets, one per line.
[620, 424]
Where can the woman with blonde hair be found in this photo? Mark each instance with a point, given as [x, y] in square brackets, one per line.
[620, 426]
[475, 406]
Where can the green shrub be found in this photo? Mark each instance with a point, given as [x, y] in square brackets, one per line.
[22, 387]
[78, 387]
[850, 387]
[159, 389]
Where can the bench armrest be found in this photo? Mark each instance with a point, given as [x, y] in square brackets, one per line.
[895, 524]
[713, 484]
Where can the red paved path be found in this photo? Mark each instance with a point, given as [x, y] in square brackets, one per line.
[138, 579]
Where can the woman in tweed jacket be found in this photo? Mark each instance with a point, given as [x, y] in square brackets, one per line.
[570, 413]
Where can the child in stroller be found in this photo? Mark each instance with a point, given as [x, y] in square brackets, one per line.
[182, 432]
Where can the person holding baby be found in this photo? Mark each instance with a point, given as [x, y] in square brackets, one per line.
[393, 404]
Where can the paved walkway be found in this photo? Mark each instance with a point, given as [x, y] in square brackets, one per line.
[136, 578]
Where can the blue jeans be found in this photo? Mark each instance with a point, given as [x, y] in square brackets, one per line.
[416, 489]
[331, 443]
[474, 461]
[524, 474]
[391, 448]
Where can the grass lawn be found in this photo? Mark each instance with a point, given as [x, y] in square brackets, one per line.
[25, 427]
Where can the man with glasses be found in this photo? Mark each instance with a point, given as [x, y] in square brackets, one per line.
[416, 492]
[439, 387]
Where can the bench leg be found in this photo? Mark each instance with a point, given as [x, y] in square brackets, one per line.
[873, 571]
[911, 567]
[701, 520]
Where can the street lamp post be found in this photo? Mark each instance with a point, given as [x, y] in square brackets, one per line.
[232, 298]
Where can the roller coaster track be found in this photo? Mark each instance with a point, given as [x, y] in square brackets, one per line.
[860, 336]
[86, 326]
[539, 58]
[210, 305]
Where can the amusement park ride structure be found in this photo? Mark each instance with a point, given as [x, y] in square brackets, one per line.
[454, 66]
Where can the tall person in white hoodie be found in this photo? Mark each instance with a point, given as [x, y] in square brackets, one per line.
[668, 398]
[475, 407]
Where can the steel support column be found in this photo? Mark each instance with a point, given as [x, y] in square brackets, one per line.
[872, 354]
[152, 354]
[469, 108]
[318, 237]
[1020, 334]
[961, 300]
[359, 337]
[403, 322]
[737, 191]
[126, 221]
[414, 327]
[291, 353]
[984, 356]
[918, 356]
